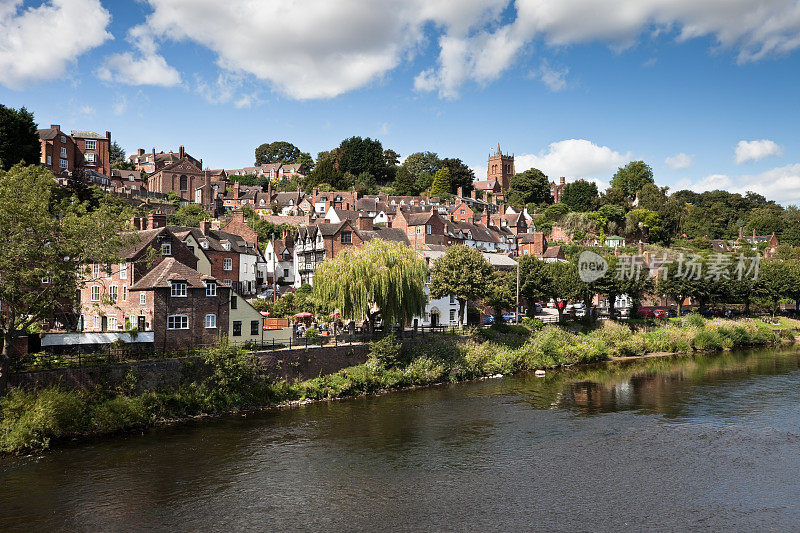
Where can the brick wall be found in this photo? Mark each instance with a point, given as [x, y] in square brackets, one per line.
[196, 305]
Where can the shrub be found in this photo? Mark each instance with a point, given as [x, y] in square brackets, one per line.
[31, 419]
[117, 414]
[384, 353]
[694, 320]
[533, 324]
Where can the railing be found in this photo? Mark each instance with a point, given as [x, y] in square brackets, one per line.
[99, 355]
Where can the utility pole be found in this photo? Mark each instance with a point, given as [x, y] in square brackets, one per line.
[517, 313]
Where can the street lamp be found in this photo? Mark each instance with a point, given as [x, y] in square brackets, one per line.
[516, 310]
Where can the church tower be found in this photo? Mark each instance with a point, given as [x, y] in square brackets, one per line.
[501, 167]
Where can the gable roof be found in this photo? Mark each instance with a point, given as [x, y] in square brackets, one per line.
[48, 134]
[80, 134]
[170, 270]
[147, 236]
[387, 234]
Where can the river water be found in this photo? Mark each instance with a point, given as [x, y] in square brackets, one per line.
[703, 443]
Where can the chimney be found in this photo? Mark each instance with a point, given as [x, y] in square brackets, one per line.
[55, 127]
[474, 194]
[502, 209]
[140, 151]
[236, 190]
[181, 152]
[269, 191]
[108, 137]
[205, 227]
[136, 222]
[364, 223]
[156, 220]
[314, 194]
[562, 180]
[741, 233]
[538, 243]
[640, 248]
[201, 163]
[460, 191]
[754, 234]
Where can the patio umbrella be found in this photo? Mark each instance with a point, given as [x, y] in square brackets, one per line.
[304, 314]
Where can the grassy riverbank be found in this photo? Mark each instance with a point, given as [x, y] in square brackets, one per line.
[35, 420]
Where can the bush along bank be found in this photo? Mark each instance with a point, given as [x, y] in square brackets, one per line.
[35, 420]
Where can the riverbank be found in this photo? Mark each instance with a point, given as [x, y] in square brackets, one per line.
[37, 420]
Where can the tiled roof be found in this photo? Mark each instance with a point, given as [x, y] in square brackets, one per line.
[170, 270]
[387, 234]
[214, 238]
[79, 134]
[147, 236]
[48, 134]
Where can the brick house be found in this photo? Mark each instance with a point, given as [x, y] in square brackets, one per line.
[95, 150]
[237, 225]
[536, 245]
[105, 300]
[421, 228]
[319, 241]
[153, 162]
[461, 212]
[557, 189]
[184, 176]
[126, 179]
[58, 150]
[188, 308]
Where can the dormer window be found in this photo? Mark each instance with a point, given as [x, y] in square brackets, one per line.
[211, 288]
[226, 245]
[166, 249]
[204, 244]
[178, 289]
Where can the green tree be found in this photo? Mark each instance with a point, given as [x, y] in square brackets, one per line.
[460, 175]
[420, 163]
[357, 155]
[500, 295]
[562, 279]
[404, 182]
[461, 272]
[306, 160]
[47, 236]
[19, 139]
[632, 177]
[423, 182]
[188, 215]
[380, 277]
[774, 283]
[277, 152]
[441, 182]
[391, 158]
[325, 171]
[531, 186]
[580, 195]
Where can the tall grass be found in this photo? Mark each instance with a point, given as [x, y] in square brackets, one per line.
[33, 420]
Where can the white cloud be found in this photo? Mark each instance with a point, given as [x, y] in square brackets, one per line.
[227, 88]
[40, 43]
[755, 150]
[87, 110]
[573, 158]
[384, 128]
[147, 67]
[120, 104]
[781, 184]
[755, 29]
[554, 79]
[679, 161]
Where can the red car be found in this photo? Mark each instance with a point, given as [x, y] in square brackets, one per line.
[646, 312]
[659, 313]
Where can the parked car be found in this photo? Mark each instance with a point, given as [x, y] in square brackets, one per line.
[488, 320]
[624, 312]
[646, 312]
[266, 295]
[537, 308]
[510, 317]
[580, 312]
[659, 313]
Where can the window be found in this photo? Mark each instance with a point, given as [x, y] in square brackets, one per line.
[462, 211]
[347, 237]
[95, 270]
[452, 315]
[112, 294]
[285, 272]
[178, 289]
[91, 144]
[211, 321]
[226, 245]
[90, 157]
[452, 299]
[112, 322]
[418, 230]
[142, 298]
[63, 152]
[96, 293]
[62, 163]
[46, 280]
[429, 228]
[166, 248]
[211, 288]
[177, 322]
[237, 328]
[228, 282]
[124, 293]
[96, 322]
[227, 264]
[254, 327]
[49, 160]
[184, 183]
[123, 271]
[108, 271]
[191, 248]
[63, 140]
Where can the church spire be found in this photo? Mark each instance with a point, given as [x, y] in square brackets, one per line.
[498, 149]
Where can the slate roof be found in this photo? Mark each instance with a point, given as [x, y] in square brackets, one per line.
[48, 134]
[80, 134]
[387, 234]
[215, 239]
[146, 236]
[170, 270]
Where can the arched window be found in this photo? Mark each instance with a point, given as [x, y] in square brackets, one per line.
[184, 183]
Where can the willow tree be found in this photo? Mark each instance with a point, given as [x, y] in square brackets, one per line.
[380, 277]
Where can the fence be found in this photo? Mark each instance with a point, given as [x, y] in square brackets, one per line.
[106, 354]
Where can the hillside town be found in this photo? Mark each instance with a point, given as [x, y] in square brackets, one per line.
[214, 251]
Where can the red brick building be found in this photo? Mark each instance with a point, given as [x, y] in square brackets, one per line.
[421, 228]
[184, 176]
[58, 150]
[95, 151]
[188, 308]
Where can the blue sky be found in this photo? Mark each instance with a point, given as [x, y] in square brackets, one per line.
[568, 87]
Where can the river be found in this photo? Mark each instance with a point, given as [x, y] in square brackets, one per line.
[703, 443]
